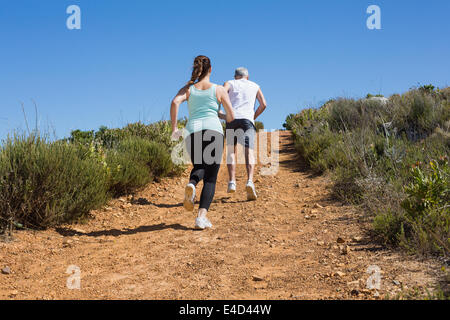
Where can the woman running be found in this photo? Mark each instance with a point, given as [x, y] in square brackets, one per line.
[205, 140]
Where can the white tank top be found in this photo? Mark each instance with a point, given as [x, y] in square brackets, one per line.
[243, 97]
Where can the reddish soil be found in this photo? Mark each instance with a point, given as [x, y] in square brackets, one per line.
[282, 246]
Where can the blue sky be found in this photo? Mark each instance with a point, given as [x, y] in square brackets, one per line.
[130, 57]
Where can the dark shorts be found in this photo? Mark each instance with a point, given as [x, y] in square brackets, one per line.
[241, 131]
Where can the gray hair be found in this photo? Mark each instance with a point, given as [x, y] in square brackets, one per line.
[241, 72]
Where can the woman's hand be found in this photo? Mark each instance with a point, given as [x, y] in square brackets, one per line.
[222, 115]
[176, 135]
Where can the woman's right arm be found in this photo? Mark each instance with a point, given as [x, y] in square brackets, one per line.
[181, 97]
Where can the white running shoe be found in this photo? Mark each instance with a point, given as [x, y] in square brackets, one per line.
[189, 197]
[251, 192]
[231, 187]
[202, 223]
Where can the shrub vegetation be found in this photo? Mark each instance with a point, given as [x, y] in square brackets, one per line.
[390, 158]
[44, 183]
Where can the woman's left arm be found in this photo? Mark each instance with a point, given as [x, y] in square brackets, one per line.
[224, 99]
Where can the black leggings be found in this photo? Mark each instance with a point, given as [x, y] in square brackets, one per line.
[205, 149]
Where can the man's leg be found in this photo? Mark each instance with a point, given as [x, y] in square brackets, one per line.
[231, 156]
[231, 162]
[250, 137]
[250, 163]
[231, 166]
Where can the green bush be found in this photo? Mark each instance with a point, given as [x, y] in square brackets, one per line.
[369, 146]
[154, 155]
[159, 132]
[418, 112]
[259, 125]
[290, 120]
[125, 173]
[423, 224]
[390, 227]
[318, 149]
[427, 191]
[136, 161]
[427, 207]
[369, 95]
[45, 183]
[429, 88]
[82, 137]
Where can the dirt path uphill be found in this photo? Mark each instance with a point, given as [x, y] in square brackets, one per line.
[283, 246]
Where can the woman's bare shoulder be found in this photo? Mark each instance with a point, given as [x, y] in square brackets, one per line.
[220, 88]
[184, 89]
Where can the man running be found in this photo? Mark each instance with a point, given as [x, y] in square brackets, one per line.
[243, 94]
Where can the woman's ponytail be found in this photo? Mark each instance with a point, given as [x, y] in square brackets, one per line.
[201, 67]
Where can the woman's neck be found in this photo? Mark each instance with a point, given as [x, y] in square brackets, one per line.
[205, 80]
[203, 84]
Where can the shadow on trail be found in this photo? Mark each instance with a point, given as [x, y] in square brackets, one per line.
[116, 232]
[296, 163]
[145, 202]
[229, 200]
[167, 205]
[288, 148]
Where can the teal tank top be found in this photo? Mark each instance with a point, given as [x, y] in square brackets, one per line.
[203, 110]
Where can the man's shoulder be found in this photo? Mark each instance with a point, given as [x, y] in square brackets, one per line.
[254, 84]
[241, 82]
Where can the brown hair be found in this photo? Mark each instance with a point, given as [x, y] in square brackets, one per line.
[201, 67]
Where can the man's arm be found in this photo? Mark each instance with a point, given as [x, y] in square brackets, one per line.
[262, 104]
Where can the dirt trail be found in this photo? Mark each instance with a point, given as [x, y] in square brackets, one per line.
[283, 246]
